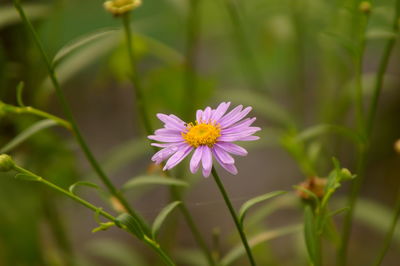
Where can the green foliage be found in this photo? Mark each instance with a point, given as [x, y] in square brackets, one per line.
[159, 220]
[152, 180]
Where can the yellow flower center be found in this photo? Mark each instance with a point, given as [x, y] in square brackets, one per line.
[202, 134]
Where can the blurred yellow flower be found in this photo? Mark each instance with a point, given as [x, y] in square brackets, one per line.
[120, 7]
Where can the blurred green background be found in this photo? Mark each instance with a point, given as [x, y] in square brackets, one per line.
[292, 60]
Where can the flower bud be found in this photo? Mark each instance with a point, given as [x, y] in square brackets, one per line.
[397, 146]
[365, 7]
[120, 7]
[346, 174]
[6, 163]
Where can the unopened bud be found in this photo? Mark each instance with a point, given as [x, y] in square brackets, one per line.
[397, 146]
[346, 174]
[365, 7]
[6, 163]
[120, 7]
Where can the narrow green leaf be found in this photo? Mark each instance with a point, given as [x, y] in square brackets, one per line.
[378, 33]
[339, 211]
[318, 130]
[103, 227]
[159, 220]
[250, 203]
[131, 224]
[152, 180]
[310, 234]
[20, 90]
[27, 133]
[72, 188]
[83, 40]
[308, 192]
[239, 251]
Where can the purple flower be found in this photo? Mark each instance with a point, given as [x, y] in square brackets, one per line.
[212, 135]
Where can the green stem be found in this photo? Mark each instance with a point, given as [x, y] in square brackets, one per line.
[389, 234]
[234, 216]
[249, 62]
[149, 130]
[138, 91]
[34, 111]
[85, 148]
[100, 211]
[368, 127]
[192, 37]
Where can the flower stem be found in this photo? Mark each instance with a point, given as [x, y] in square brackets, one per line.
[234, 216]
[85, 148]
[367, 130]
[389, 234]
[149, 241]
[34, 111]
[139, 99]
[149, 130]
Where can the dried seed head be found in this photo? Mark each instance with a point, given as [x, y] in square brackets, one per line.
[314, 184]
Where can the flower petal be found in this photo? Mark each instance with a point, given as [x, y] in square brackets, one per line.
[163, 138]
[223, 155]
[232, 148]
[199, 115]
[206, 114]
[235, 118]
[206, 160]
[196, 158]
[231, 168]
[231, 114]
[220, 111]
[170, 122]
[178, 157]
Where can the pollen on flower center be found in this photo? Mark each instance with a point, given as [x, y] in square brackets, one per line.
[202, 134]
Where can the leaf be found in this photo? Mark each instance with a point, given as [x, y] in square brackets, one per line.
[250, 203]
[27, 133]
[9, 16]
[317, 130]
[103, 227]
[308, 192]
[238, 251]
[83, 40]
[159, 220]
[117, 252]
[310, 235]
[152, 180]
[131, 224]
[82, 183]
[261, 104]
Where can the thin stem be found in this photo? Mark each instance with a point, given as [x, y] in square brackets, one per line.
[139, 99]
[249, 62]
[150, 242]
[368, 127]
[234, 216]
[389, 234]
[149, 130]
[192, 38]
[34, 111]
[85, 148]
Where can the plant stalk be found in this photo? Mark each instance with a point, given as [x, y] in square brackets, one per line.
[239, 227]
